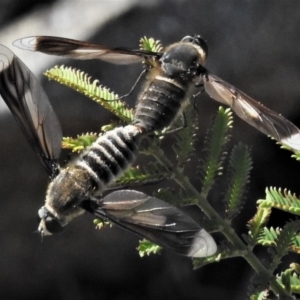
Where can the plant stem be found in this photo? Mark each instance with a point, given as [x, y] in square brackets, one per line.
[227, 230]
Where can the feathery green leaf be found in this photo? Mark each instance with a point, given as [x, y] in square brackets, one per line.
[146, 248]
[102, 224]
[262, 295]
[82, 82]
[150, 44]
[256, 224]
[281, 239]
[296, 244]
[285, 200]
[80, 143]
[290, 280]
[186, 137]
[148, 174]
[214, 153]
[239, 168]
[269, 236]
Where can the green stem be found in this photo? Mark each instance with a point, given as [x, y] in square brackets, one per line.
[227, 230]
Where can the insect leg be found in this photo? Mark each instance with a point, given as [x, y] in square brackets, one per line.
[134, 86]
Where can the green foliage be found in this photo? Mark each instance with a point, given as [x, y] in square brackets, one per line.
[257, 223]
[285, 200]
[150, 44]
[263, 295]
[216, 160]
[148, 174]
[102, 224]
[214, 151]
[239, 168]
[146, 248]
[82, 82]
[290, 280]
[296, 155]
[282, 239]
[80, 143]
[186, 138]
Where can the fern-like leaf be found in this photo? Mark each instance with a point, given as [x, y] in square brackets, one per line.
[203, 261]
[262, 295]
[256, 224]
[240, 165]
[146, 248]
[281, 239]
[285, 241]
[80, 143]
[296, 155]
[295, 267]
[149, 174]
[285, 200]
[269, 236]
[290, 280]
[186, 137]
[296, 245]
[102, 224]
[214, 150]
[150, 44]
[82, 82]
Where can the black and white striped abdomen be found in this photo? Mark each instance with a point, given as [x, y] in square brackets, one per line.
[110, 155]
[159, 104]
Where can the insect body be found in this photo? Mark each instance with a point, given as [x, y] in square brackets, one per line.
[88, 176]
[171, 81]
[171, 85]
[76, 188]
[168, 87]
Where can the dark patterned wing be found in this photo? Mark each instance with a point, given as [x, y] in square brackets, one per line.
[155, 220]
[83, 50]
[254, 113]
[30, 106]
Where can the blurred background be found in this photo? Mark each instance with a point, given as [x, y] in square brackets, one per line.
[254, 45]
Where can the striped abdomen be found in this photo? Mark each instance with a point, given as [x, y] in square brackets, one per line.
[110, 155]
[160, 103]
[97, 167]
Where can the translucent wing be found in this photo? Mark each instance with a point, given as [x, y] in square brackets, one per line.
[30, 106]
[254, 113]
[83, 50]
[156, 220]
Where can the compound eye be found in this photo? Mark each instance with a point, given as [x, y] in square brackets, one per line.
[50, 223]
[53, 226]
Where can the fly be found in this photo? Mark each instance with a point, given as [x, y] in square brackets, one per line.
[76, 187]
[172, 80]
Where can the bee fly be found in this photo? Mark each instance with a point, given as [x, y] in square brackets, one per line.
[172, 81]
[76, 187]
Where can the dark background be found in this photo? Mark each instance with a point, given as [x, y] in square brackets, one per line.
[252, 44]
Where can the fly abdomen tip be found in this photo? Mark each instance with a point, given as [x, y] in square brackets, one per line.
[203, 245]
[292, 141]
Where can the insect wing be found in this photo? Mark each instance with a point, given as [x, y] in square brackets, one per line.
[30, 106]
[158, 221]
[82, 50]
[254, 113]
